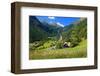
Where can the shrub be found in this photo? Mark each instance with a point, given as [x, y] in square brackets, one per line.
[59, 45]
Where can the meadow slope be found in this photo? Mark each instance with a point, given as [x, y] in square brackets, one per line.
[80, 51]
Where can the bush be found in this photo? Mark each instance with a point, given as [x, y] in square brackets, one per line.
[59, 45]
[73, 44]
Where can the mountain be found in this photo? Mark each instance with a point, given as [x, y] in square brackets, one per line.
[35, 30]
[75, 32]
[41, 30]
[57, 24]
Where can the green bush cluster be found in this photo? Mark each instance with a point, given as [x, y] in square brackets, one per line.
[59, 45]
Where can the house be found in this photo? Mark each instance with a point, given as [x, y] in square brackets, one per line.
[66, 44]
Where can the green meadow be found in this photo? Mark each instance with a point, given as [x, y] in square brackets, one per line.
[80, 51]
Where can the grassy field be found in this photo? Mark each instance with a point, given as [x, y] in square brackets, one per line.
[79, 51]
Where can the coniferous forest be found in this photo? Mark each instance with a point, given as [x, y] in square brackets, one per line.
[49, 39]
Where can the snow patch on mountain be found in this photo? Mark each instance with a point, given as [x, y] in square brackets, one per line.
[60, 24]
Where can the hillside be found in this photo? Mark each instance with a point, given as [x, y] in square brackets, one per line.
[35, 31]
[41, 30]
[79, 51]
[75, 32]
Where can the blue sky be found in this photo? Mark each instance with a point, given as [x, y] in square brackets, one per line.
[63, 21]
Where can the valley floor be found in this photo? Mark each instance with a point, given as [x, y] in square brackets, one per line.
[79, 51]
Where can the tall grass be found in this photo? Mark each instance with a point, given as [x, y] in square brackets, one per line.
[79, 51]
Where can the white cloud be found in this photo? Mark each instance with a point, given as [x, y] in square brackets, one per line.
[60, 24]
[50, 17]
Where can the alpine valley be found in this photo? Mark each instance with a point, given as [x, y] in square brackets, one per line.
[53, 40]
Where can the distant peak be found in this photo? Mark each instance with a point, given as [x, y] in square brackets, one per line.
[60, 24]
